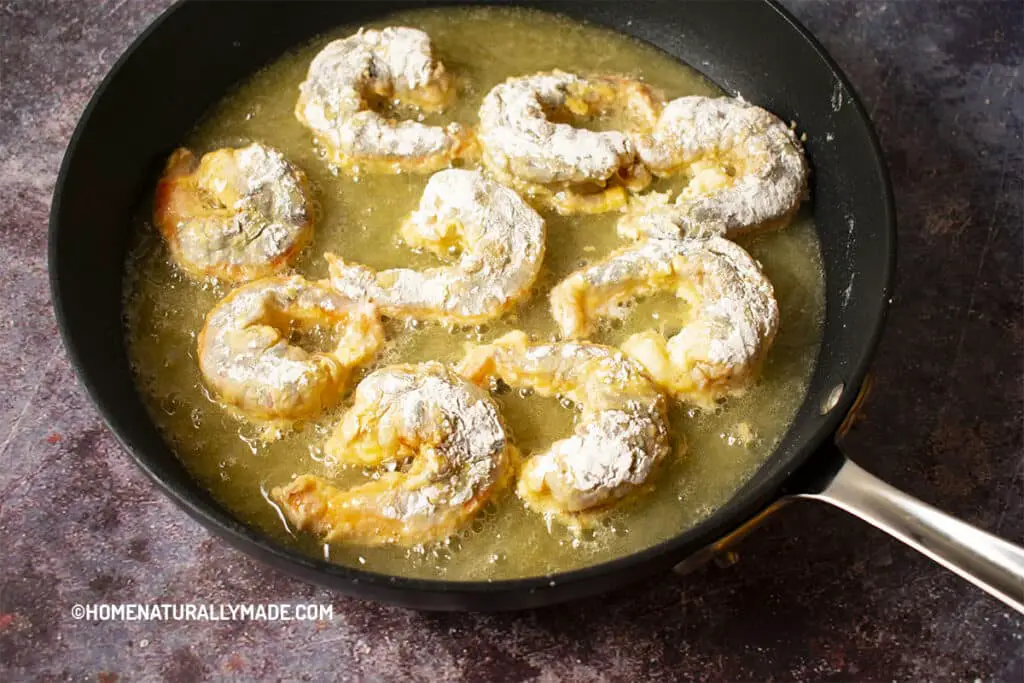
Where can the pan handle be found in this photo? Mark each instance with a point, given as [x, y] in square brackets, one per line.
[992, 564]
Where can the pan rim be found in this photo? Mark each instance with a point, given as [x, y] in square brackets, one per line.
[740, 508]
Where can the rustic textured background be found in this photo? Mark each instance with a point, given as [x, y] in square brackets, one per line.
[815, 595]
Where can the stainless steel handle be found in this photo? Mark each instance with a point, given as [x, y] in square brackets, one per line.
[985, 560]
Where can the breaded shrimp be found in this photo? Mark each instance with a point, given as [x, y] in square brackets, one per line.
[733, 312]
[446, 439]
[246, 358]
[339, 99]
[235, 214]
[747, 169]
[501, 240]
[569, 169]
[621, 434]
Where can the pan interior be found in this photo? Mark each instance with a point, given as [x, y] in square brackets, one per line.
[358, 219]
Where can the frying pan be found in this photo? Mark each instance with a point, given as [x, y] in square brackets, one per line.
[195, 52]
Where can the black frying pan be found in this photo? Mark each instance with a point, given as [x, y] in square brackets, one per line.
[193, 53]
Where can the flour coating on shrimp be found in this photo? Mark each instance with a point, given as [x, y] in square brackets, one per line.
[732, 324]
[432, 404]
[334, 100]
[747, 167]
[502, 246]
[622, 432]
[518, 136]
[451, 432]
[569, 169]
[235, 214]
[246, 357]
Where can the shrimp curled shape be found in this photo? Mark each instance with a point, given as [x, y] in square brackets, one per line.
[448, 431]
[501, 239]
[747, 169]
[245, 355]
[733, 313]
[345, 80]
[622, 432]
[572, 170]
[236, 214]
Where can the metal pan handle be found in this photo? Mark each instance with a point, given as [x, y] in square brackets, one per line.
[987, 561]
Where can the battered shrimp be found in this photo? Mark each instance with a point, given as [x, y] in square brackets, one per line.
[733, 312]
[350, 78]
[235, 214]
[747, 168]
[569, 169]
[622, 432]
[501, 240]
[654, 215]
[246, 358]
[447, 430]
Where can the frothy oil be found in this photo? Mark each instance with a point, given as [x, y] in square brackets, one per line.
[358, 218]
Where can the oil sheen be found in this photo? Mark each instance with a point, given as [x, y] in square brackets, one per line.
[358, 218]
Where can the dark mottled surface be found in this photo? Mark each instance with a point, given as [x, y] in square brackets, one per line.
[815, 596]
